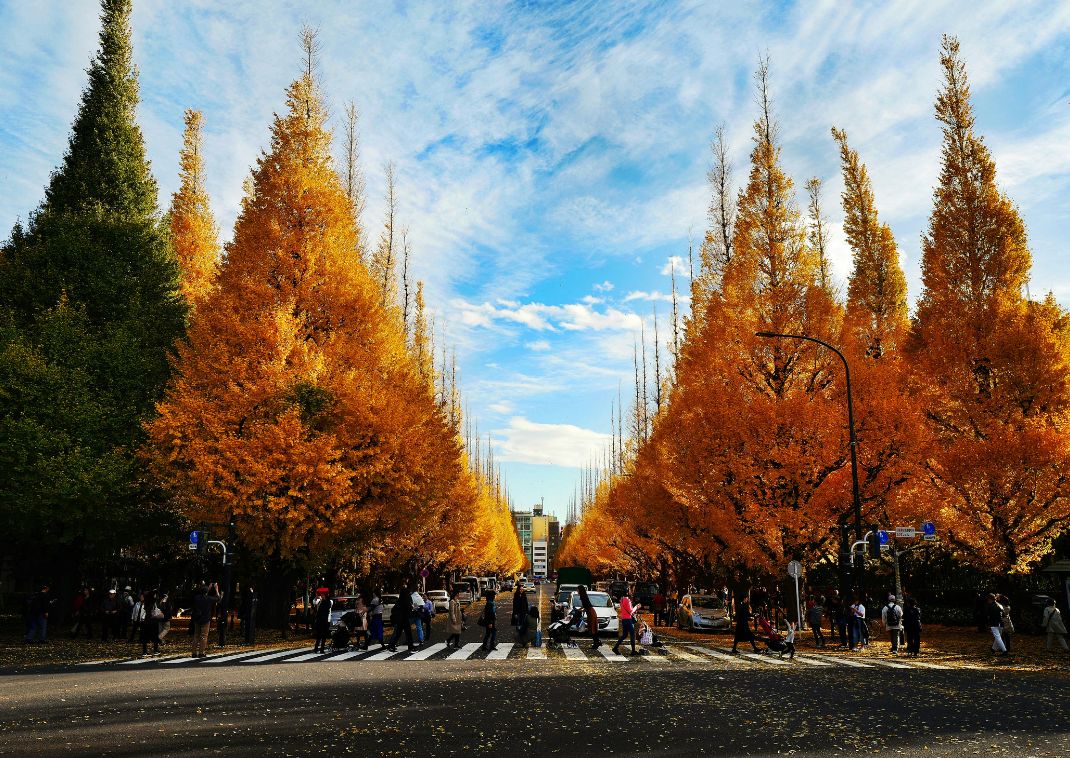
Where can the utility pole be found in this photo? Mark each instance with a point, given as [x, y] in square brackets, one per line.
[228, 574]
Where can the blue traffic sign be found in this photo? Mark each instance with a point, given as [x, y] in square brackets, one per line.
[882, 535]
[194, 538]
[928, 528]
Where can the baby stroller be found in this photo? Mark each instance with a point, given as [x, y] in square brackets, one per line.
[775, 642]
[340, 638]
[561, 631]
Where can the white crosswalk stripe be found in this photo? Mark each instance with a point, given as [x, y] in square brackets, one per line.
[148, 659]
[574, 654]
[501, 652]
[383, 655]
[842, 661]
[609, 655]
[888, 664]
[718, 654]
[231, 657]
[427, 652]
[346, 656]
[811, 661]
[273, 656]
[465, 652]
[306, 657]
[677, 652]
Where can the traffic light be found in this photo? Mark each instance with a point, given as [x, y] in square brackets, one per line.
[873, 541]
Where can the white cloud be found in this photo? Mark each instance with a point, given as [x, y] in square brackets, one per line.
[606, 286]
[543, 317]
[539, 346]
[502, 407]
[653, 296]
[675, 263]
[524, 441]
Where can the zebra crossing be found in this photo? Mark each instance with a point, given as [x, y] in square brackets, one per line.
[678, 654]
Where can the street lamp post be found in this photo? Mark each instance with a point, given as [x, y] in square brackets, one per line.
[845, 543]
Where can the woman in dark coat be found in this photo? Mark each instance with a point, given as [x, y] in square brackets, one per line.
[743, 630]
[592, 616]
[520, 605]
[322, 625]
[150, 624]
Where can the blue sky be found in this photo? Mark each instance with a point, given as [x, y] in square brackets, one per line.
[552, 156]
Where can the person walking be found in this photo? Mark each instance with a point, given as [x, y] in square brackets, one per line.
[137, 612]
[37, 616]
[376, 629]
[659, 609]
[815, 611]
[165, 622]
[82, 613]
[592, 616]
[520, 607]
[489, 623]
[204, 600]
[994, 619]
[428, 616]
[627, 621]
[912, 626]
[454, 620]
[1051, 622]
[109, 616]
[149, 627]
[744, 633]
[126, 611]
[1006, 631]
[321, 626]
[400, 617]
[892, 618]
[834, 613]
[857, 619]
[249, 605]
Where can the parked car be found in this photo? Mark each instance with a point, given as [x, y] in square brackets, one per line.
[702, 612]
[644, 594]
[618, 589]
[341, 605]
[529, 586]
[564, 598]
[608, 620]
[465, 596]
[440, 599]
[507, 585]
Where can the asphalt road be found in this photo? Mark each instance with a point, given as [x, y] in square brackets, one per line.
[523, 707]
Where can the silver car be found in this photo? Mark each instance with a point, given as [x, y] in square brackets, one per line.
[702, 613]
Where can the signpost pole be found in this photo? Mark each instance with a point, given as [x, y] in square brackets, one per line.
[794, 571]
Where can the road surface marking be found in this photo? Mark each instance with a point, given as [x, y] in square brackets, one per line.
[609, 655]
[305, 657]
[928, 665]
[346, 656]
[889, 664]
[811, 661]
[100, 662]
[765, 658]
[842, 661]
[679, 653]
[465, 652]
[501, 652]
[273, 656]
[427, 652]
[720, 655]
[653, 658]
[147, 659]
[181, 660]
[536, 654]
[574, 654]
[383, 654]
[231, 657]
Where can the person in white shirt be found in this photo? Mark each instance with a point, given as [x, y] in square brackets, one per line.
[892, 618]
[858, 620]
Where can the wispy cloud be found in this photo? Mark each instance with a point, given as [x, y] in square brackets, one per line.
[525, 441]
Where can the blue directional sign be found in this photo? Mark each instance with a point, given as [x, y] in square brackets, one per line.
[928, 528]
[194, 538]
[882, 535]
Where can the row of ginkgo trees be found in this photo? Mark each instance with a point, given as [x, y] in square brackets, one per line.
[962, 410]
[275, 382]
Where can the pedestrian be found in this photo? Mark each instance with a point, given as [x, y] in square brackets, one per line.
[1051, 622]
[358, 620]
[892, 618]
[815, 611]
[659, 609]
[489, 622]
[1007, 630]
[37, 616]
[82, 613]
[109, 616]
[249, 605]
[204, 599]
[857, 619]
[627, 621]
[454, 620]
[789, 642]
[592, 616]
[126, 610]
[744, 633]
[520, 607]
[417, 616]
[321, 626]
[165, 622]
[400, 619]
[149, 626]
[834, 613]
[428, 616]
[137, 612]
[376, 628]
[912, 626]
[994, 619]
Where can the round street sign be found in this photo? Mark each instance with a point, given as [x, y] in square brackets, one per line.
[882, 535]
[194, 537]
[425, 573]
[794, 569]
[928, 528]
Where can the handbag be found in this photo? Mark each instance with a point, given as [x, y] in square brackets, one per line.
[157, 614]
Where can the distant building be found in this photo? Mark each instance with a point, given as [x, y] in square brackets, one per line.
[545, 540]
[522, 519]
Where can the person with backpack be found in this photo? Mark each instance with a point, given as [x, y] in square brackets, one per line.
[912, 627]
[892, 618]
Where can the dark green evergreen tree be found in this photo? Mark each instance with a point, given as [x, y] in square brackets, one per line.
[89, 315]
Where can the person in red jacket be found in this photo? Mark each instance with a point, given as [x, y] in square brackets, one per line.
[627, 622]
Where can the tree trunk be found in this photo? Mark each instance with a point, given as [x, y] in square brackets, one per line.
[276, 595]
